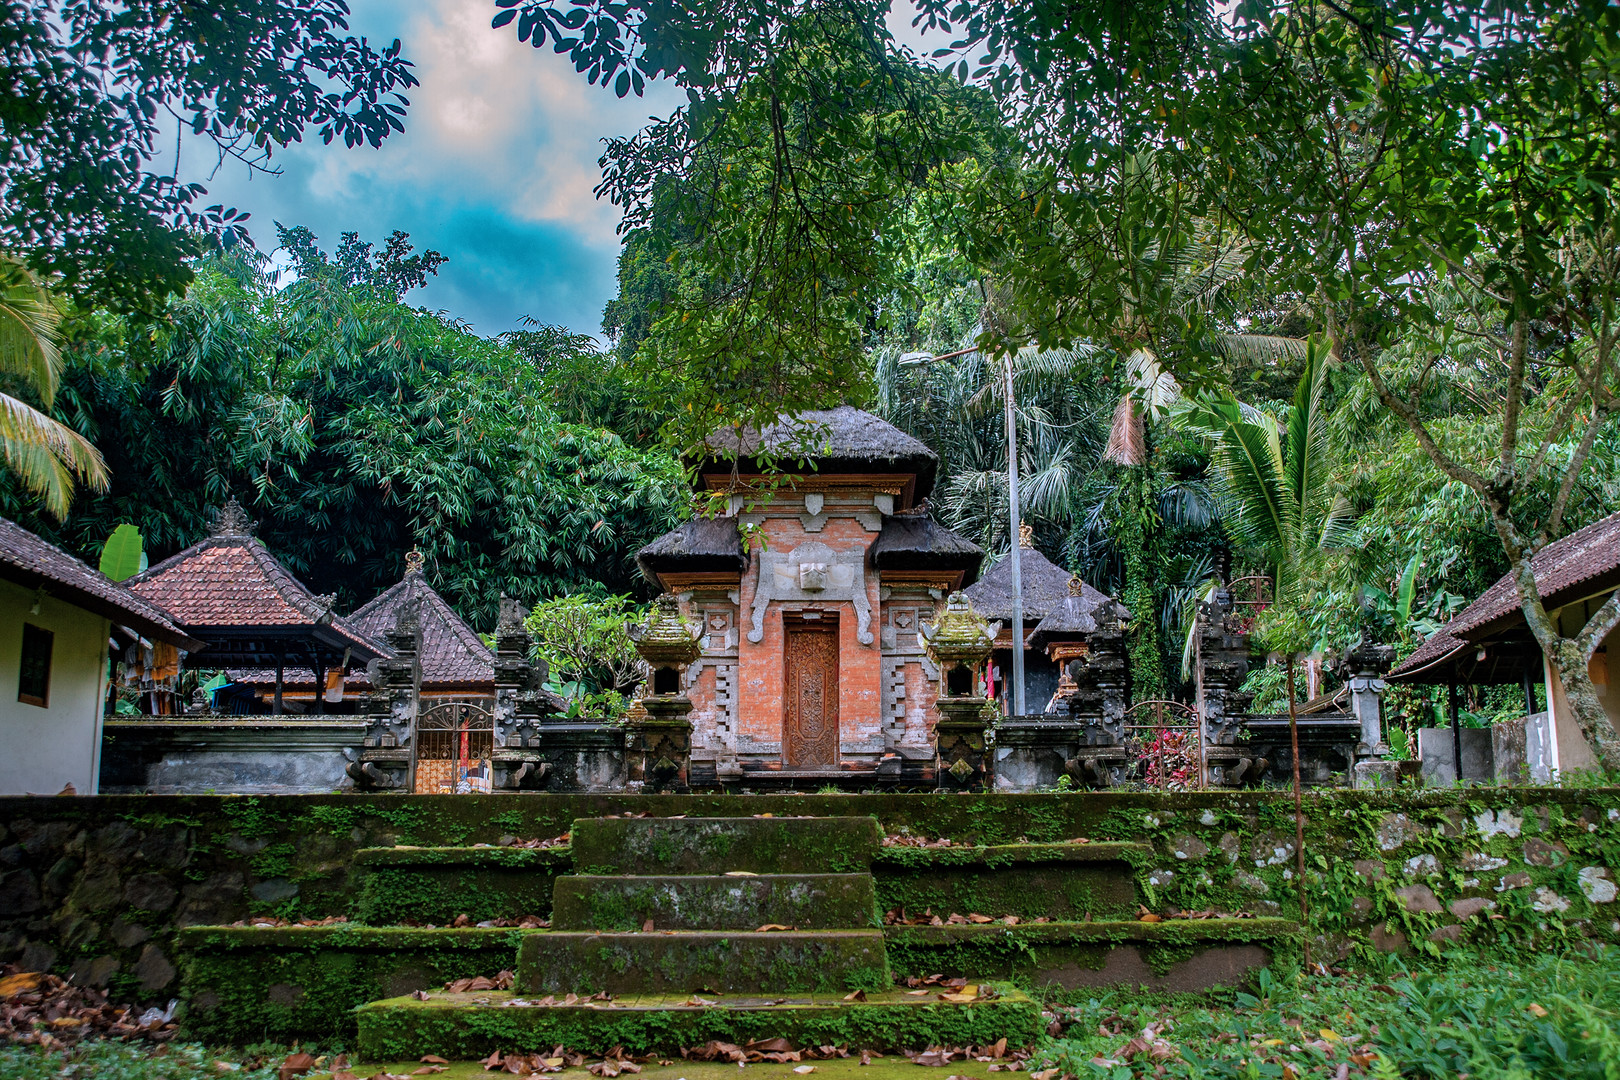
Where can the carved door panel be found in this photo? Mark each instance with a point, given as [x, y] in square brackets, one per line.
[810, 705]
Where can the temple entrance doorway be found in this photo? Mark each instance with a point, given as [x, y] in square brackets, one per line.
[810, 708]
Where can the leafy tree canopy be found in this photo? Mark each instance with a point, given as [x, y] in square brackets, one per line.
[354, 427]
[88, 88]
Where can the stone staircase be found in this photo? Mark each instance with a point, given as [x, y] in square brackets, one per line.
[666, 932]
[680, 930]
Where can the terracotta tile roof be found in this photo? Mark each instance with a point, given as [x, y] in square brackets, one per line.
[1582, 558]
[1441, 644]
[32, 563]
[452, 652]
[1585, 561]
[230, 580]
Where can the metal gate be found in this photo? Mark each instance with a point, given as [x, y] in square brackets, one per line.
[454, 743]
[1164, 741]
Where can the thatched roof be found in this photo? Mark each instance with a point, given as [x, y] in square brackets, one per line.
[1080, 612]
[702, 545]
[1045, 588]
[915, 541]
[844, 439]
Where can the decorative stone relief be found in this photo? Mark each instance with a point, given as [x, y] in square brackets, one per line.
[843, 577]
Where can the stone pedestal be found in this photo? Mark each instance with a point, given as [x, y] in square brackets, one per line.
[965, 736]
[661, 745]
[1375, 773]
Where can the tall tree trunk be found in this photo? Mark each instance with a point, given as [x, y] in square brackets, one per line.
[1569, 658]
[1299, 813]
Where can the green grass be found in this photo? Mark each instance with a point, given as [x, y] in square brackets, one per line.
[113, 1060]
[1471, 1018]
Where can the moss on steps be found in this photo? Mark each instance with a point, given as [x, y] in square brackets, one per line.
[245, 984]
[723, 961]
[763, 845]
[472, 1025]
[805, 901]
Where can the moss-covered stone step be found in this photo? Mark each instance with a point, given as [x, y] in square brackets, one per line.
[473, 1025]
[714, 902]
[244, 984]
[1177, 954]
[435, 884]
[997, 856]
[683, 961]
[763, 845]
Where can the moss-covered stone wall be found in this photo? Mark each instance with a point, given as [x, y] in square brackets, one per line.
[99, 886]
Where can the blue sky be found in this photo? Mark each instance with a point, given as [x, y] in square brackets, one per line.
[495, 169]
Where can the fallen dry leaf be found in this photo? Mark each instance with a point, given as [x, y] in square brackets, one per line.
[433, 1059]
[804, 1069]
[857, 995]
[295, 1065]
[21, 983]
[771, 927]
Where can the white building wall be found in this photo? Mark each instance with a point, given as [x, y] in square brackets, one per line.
[1571, 752]
[42, 750]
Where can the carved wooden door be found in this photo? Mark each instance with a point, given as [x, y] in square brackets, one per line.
[810, 706]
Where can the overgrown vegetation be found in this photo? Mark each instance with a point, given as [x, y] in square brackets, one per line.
[1493, 1019]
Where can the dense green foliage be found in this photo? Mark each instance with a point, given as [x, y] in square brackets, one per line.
[1496, 1019]
[354, 427]
[583, 640]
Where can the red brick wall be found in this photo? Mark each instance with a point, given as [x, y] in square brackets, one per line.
[760, 673]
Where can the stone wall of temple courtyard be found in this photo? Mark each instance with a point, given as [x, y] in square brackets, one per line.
[98, 886]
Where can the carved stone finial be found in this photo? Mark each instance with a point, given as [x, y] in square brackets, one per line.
[960, 634]
[1026, 535]
[414, 561]
[666, 639]
[510, 619]
[1076, 586]
[232, 520]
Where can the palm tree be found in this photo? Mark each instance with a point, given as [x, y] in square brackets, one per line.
[48, 457]
[1274, 489]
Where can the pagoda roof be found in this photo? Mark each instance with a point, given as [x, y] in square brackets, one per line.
[229, 591]
[1078, 613]
[32, 563]
[841, 440]
[452, 653]
[702, 545]
[1045, 588]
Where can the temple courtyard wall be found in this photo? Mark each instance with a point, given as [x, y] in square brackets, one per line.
[104, 888]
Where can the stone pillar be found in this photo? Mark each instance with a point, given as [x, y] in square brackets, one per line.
[384, 762]
[959, 642]
[1220, 665]
[660, 742]
[1365, 665]
[520, 705]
